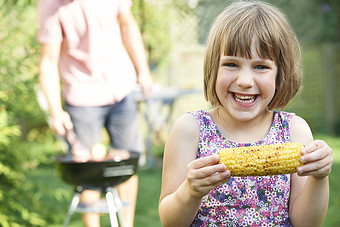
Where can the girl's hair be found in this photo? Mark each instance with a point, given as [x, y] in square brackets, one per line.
[232, 33]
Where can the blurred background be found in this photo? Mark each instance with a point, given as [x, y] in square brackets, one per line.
[174, 31]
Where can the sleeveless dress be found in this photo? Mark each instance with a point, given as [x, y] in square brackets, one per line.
[244, 201]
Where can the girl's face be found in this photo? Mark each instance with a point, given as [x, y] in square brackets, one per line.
[245, 87]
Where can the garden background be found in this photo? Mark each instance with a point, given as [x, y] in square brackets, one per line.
[32, 193]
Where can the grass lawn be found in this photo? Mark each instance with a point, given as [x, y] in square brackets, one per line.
[55, 196]
[333, 217]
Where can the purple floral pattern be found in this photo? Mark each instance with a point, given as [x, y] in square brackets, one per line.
[244, 201]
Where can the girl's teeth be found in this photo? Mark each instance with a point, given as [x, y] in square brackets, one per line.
[244, 99]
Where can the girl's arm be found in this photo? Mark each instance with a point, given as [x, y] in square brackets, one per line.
[186, 179]
[309, 188]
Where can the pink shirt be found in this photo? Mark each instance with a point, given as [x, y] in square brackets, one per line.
[95, 68]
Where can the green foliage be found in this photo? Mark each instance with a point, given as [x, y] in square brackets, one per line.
[19, 114]
[7, 131]
[19, 208]
[313, 21]
[154, 23]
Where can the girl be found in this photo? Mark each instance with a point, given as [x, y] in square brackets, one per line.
[251, 67]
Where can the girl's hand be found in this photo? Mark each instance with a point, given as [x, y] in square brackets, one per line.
[317, 158]
[204, 174]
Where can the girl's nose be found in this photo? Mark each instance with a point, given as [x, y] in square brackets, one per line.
[245, 79]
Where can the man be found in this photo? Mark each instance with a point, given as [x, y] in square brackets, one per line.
[94, 49]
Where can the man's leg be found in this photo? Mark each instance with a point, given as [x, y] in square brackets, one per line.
[128, 193]
[88, 197]
[123, 128]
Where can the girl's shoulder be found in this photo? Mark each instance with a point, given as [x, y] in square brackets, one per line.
[300, 131]
[285, 119]
[202, 116]
[186, 125]
[293, 119]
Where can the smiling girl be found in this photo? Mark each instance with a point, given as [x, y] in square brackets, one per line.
[252, 66]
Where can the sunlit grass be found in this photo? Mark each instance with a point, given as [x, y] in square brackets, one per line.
[334, 143]
[333, 218]
[55, 198]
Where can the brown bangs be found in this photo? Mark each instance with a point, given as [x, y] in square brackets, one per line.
[253, 23]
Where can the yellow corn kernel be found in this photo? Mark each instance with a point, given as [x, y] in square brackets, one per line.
[274, 159]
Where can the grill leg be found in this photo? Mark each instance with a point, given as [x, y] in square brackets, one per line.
[72, 209]
[115, 207]
[119, 206]
[112, 208]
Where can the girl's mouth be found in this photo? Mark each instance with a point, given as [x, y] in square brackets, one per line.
[246, 99]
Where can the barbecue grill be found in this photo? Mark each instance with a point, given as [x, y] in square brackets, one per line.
[104, 175]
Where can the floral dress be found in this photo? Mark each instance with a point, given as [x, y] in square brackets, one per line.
[244, 201]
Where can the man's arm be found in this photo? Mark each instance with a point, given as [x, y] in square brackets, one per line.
[50, 84]
[133, 42]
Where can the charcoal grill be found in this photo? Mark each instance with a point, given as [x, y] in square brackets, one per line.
[104, 175]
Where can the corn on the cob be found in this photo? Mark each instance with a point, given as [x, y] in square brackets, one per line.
[274, 159]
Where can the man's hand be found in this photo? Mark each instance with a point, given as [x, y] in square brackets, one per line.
[146, 83]
[61, 123]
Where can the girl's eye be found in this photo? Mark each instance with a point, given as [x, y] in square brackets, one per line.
[261, 67]
[230, 65]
